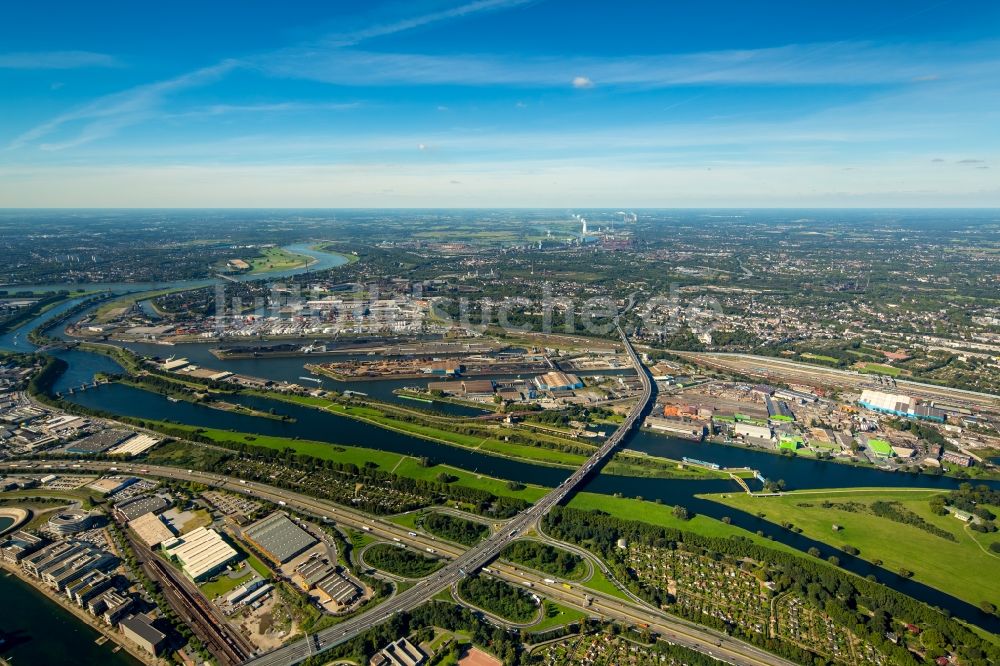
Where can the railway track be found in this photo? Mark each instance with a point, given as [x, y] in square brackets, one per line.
[226, 646]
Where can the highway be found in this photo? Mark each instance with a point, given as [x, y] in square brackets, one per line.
[462, 561]
[472, 559]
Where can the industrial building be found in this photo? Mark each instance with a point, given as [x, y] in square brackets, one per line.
[140, 630]
[337, 589]
[752, 430]
[399, 653]
[201, 552]
[558, 381]
[955, 458]
[151, 529]
[278, 538]
[240, 593]
[134, 446]
[131, 509]
[900, 405]
[311, 572]
[99, 442]
[318, 574]
[478, 388]
[443, 368]
[112, 484]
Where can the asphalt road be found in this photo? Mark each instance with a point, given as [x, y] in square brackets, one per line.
[465, 561]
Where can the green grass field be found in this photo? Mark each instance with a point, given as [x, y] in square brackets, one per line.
[556, 615]
[962, 568]
[400, 464]
[819, 357]
[662, 514]
[600, 583]
[277, 259]
[881, 369]
[107, 311]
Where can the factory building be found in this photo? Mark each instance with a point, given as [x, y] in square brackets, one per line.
[752, 430]
[443, 368]
[99, 442]
[131, 509]
[399, 653]
[900, 405]
[201, 552]
[337, 589]
[558, 381]
[240, 593]
[133, 446]
[151, 529]
[278, 538]
[478, 388]
[112, 484]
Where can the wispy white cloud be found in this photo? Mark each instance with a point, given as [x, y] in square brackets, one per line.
[108, 114]
[276, 107]
[105, 116]
[582, 82]
[393, 27]
[56, 60]
[841, 63]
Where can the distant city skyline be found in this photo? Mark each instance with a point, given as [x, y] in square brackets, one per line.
[501, 103]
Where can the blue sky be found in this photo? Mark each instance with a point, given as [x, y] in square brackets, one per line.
[501, 103]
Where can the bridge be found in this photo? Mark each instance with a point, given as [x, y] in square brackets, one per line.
[473, 559]
[56, 345]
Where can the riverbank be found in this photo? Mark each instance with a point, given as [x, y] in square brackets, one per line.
[136, 654]
[498, 443]
[940, 551]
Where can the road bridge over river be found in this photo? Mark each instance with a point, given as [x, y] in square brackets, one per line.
[475, 558]
[462, 562]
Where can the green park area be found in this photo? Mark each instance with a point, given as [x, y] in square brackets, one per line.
[893, 526]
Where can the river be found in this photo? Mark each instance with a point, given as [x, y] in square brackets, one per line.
[799, 473]
[321, 261]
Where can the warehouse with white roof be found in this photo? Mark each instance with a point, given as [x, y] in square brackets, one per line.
[201, 552]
